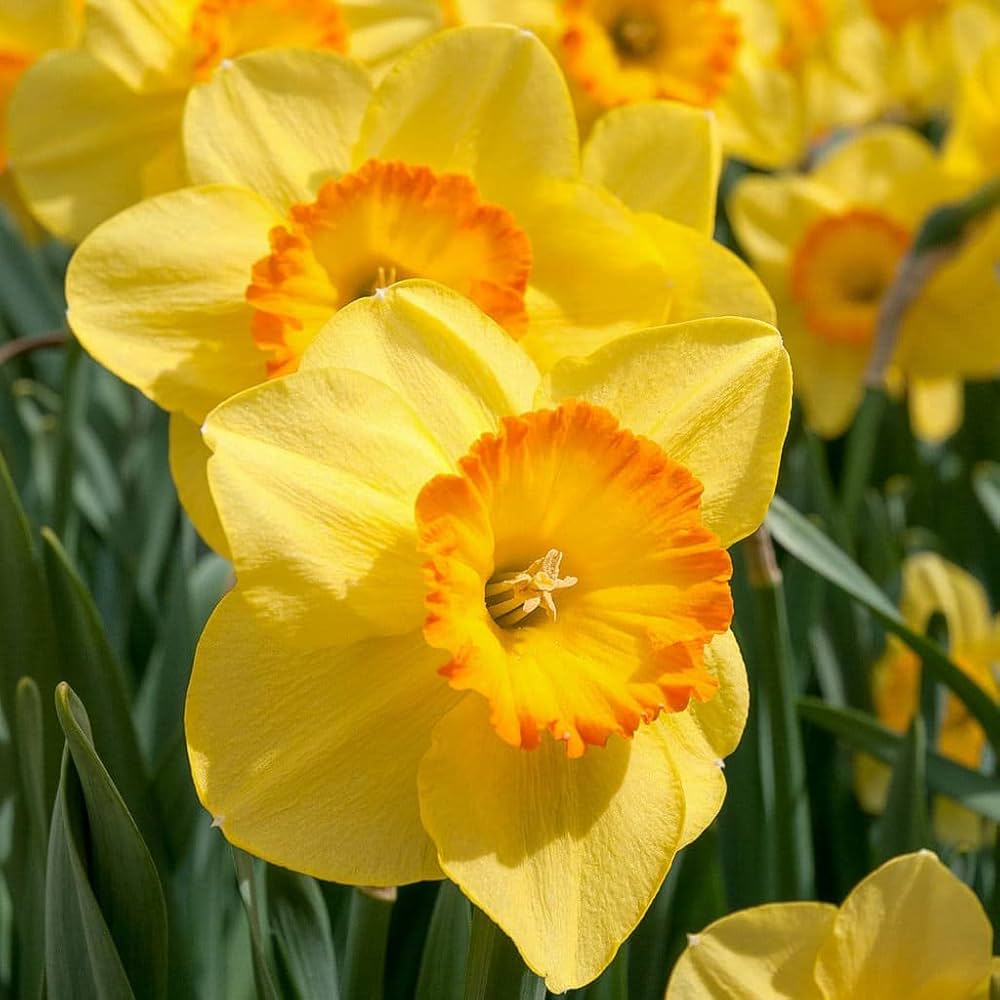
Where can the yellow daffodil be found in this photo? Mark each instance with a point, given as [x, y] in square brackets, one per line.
[777, 73]
[480, 627]
[972, 149]
[462, 167]
[98, 128]
[827, 245]
[922, 49]
[931, 585]
[28, 29]
[909, 931]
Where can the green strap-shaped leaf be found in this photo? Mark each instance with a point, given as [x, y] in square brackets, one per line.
[986, 483]
[256, 908]
[105, 916]
[303, 940]
[442, 969]
[904, 826]
[31, 838]
[975, 791]
[88, 665]
[811, 546]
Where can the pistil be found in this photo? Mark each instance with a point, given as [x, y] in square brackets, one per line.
[511, 597]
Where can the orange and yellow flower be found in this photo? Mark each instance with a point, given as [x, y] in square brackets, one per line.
[827, 245]
[778, 74]
[98, 128]
[462, 167]
[909, 931]
[481, 622]
[931, 585]
[972, 148]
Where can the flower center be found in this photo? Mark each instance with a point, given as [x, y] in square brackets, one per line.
[224, 29]
[620, 52]
[840, 271]
[895, 13]
[512, 597]
[366, 230]
[629, 637]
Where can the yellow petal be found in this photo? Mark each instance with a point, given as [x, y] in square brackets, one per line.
[936, 407]
[871, 783]
[380, 32]
[452, 364]
[309, 759]
[962, 295]
[932, 584]
[763, 953]
[485, 101]
[707, 278]
[267, 121]
[118, 147]
[889, 167]
[909, 931]
[189, 457]
[157, 295]
[770, 214]
[145, 43]
[959, 827]
[564, 854]
[705, 733]
[36, 26]
[658, 157]
[715, 394]
[315, 477]
[596, 273]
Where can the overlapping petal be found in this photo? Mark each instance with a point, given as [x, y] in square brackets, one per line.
[300, 775]
[700, 391]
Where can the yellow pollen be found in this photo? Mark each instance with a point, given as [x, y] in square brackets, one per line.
[511, 597]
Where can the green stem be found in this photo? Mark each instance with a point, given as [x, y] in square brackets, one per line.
[495, 970]
[861, 443]
[778, 689]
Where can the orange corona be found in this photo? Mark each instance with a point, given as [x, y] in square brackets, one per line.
[619, 51]
[841, 269]
[366, 230]
[224, 29]
[896, 13]
[571, 578]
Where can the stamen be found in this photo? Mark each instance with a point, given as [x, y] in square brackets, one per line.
[511, 597]
[636, 36]
[385, 277]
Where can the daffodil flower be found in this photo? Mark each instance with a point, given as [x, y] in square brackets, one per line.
[827, 245]
[98, 128]
[932, 585]
[972, 148]
[777, 74]
[918, 51]
[462, 167]
[481, 622]
[909, 931]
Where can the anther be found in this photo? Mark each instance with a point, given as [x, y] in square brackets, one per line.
[511, 597]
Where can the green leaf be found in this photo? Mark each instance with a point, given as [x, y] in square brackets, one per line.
[302, 936]
[442, 970]
[495, 970]
[904, 826]
[367, 937]
[105, 915]
[986, 483]
[26, 624]
[777, 691]
[89, 666]
[975, 791]
[33, 822]
[811, 546]
[254, 901]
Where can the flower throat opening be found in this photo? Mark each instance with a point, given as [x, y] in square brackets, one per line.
[512, 597]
